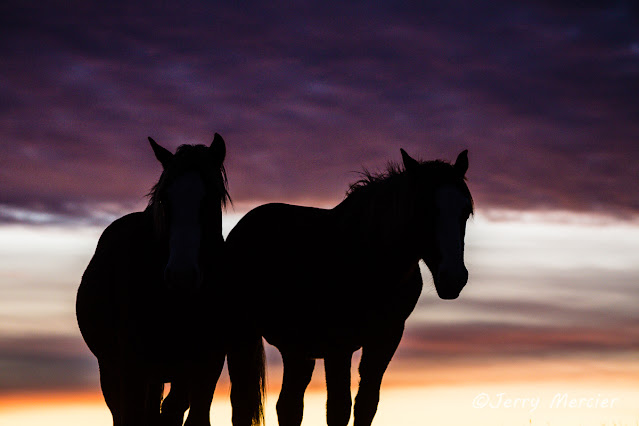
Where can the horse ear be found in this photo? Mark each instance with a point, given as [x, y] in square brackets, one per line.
[409, 162]
[218, 149]
[461, 164]
[163, 155]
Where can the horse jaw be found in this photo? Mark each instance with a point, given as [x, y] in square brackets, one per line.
[451, 274]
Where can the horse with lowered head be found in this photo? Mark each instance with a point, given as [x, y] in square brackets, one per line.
[334, 281]
[150, 305]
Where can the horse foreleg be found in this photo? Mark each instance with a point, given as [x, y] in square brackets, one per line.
[175, 404]
[297, 375]
[376, 356]
[133, 397]
[154, 393]
[338, 388]
[110, 385]
[201, 388]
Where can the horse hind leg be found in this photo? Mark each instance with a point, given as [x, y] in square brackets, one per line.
[246, 364]
[338, 389]
[376, 356]
[297, 375]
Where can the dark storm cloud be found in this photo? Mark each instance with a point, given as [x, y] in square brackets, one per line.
[542, 93]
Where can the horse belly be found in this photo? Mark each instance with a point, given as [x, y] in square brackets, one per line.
[315, 329]
[338, 314]
[313, 343]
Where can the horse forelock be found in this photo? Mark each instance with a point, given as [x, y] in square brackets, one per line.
[187, 158]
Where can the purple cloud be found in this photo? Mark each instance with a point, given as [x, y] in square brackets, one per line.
[542, 95]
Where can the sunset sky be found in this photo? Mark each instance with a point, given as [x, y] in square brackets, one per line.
[543, 94]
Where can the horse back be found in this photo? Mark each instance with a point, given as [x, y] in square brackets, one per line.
[278, 222]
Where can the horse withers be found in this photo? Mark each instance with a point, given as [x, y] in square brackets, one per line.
[150, 304]
[333, 281]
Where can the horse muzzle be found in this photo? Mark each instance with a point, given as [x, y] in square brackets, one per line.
[449, 282]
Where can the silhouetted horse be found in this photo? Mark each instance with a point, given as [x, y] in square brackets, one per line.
[333, 281]
[150, 306]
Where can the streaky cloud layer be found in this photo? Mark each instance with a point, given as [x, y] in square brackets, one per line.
[514, 311]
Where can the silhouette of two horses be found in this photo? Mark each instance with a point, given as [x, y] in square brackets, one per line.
[315, 283]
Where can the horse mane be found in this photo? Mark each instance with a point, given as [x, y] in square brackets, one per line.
[435, 172]
[370, 179]
[188, 158]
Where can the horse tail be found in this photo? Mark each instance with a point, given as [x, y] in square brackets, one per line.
[260, 368]
[247, 371]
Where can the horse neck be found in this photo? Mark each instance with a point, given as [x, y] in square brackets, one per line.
[378, 219]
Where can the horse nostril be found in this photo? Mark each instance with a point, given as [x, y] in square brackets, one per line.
[451, 281]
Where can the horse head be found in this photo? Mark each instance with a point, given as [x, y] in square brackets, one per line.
[443, 204]
[186, 203]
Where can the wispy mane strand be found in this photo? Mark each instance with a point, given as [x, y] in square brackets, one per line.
[368, 178]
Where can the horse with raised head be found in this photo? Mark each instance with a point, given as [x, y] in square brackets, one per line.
[150, 305]
[334, 281]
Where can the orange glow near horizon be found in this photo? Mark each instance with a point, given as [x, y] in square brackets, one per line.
[515, 404]
[569, 391]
